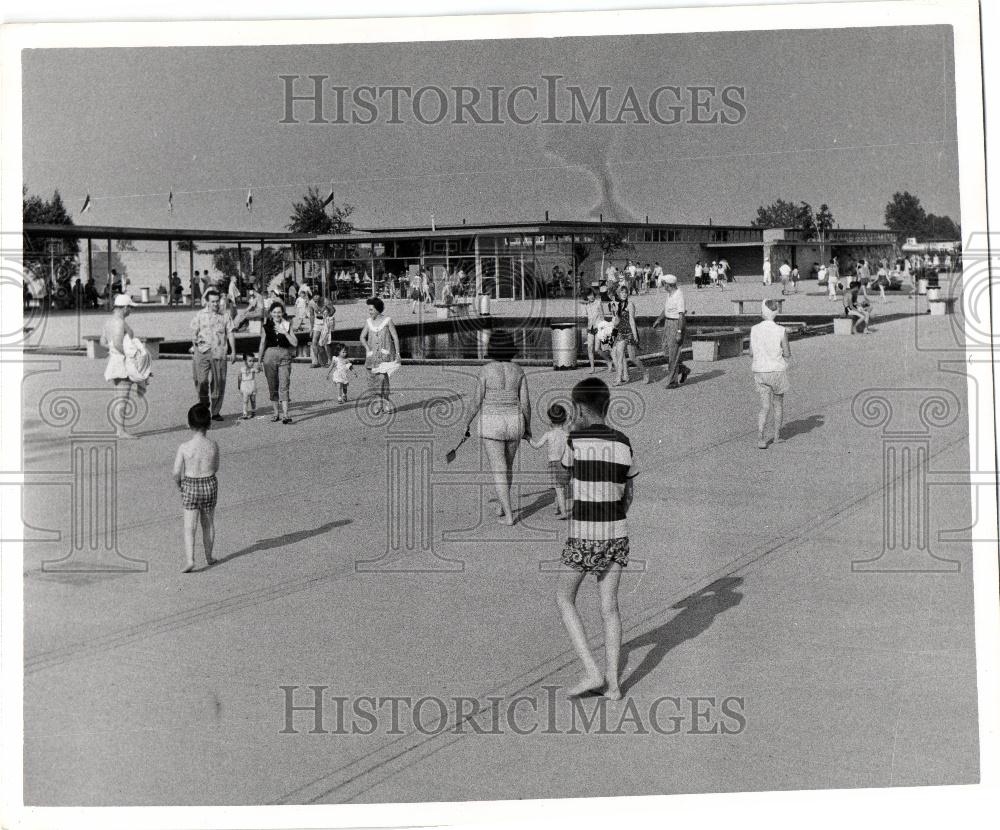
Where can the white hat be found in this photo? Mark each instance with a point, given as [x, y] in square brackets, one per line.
[122, 300]
[669, 279]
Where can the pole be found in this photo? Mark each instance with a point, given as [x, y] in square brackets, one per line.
[372, 249]
[109, 288]
[90, 261]
[170, 271]
[191, 269]
[479, 265]
[260, 269]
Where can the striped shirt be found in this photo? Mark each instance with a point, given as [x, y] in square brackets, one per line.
[601, 460]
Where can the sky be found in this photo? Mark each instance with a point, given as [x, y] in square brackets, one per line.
[846, 117]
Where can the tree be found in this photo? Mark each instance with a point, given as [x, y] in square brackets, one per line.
[186, 245]
[824, 223]
[311, 216]
[942, 228]
[905, 215]
[781, 214]
[54, 258]
[124, 245]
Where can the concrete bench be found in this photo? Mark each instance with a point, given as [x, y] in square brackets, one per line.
[754, 303]
[941, 306]
[452, 310]
[843, 325]
[710, 346]
[95, 351]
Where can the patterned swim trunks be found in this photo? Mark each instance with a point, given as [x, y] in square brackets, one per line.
[199, 493]
[595, 556]
[559, 476]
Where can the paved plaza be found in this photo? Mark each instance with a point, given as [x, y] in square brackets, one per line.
[755, 583]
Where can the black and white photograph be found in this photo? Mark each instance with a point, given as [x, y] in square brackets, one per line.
[426, 411]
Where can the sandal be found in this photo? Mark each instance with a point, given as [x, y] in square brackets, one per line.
[286, 420]
[275, 419]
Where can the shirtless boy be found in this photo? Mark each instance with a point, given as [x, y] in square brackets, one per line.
[195, 466]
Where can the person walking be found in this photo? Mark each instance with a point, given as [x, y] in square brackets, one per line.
[122, 370]
[211, 333]
[381, 344]
[317, 350]
[627, 337]
[602, 469]
[769, 352]
[832, 278]
[278, 344]
[504, 409]
[673, 319]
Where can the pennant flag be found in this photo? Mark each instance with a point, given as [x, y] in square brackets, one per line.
[329, 198]
[170, 202]
[250, 200]
[86, 204]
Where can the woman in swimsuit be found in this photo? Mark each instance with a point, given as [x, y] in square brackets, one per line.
[626, 338]
[504, 410]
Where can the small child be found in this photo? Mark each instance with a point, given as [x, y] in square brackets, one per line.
[555, 443]
[248, 386]
[603, 467]
[195, 466]
[339, 368]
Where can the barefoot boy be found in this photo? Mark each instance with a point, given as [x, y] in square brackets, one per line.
[602, 467]
[195, 467]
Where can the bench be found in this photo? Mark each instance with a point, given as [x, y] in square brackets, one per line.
[941, 306]
[755, 303]
[452, 310]
[843, 325]
[711, 346]
[95, 351]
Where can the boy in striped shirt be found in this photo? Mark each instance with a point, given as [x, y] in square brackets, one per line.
[603, 468]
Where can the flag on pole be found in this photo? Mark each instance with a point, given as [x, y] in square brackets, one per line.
[86, 204]
[170, 202]
[250, 200]
[329, 199]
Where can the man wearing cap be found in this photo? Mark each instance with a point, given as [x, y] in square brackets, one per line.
[210, 331]
[672, 317]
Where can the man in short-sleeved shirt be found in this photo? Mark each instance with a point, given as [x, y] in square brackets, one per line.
[673, 319]
[211, 333]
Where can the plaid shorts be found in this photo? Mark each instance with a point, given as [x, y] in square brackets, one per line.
[199, 493]
[595, 556]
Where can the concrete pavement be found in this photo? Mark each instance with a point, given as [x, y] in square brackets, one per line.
[162, 688]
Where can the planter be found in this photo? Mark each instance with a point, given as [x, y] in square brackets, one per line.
[144, 295]
[933, 293]
[705, 350]
[921, 286]
[163, 299]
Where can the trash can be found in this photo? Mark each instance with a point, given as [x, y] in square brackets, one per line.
[921, 286]
[564, 348]
[144, 294]
[933, 293]
[484, 305]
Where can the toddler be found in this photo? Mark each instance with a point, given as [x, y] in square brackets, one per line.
[248, 386]
[554, 441]
[339, 368]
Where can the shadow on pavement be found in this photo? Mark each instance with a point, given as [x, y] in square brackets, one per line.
[281, 541]
[802, 426]
[699, 611]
